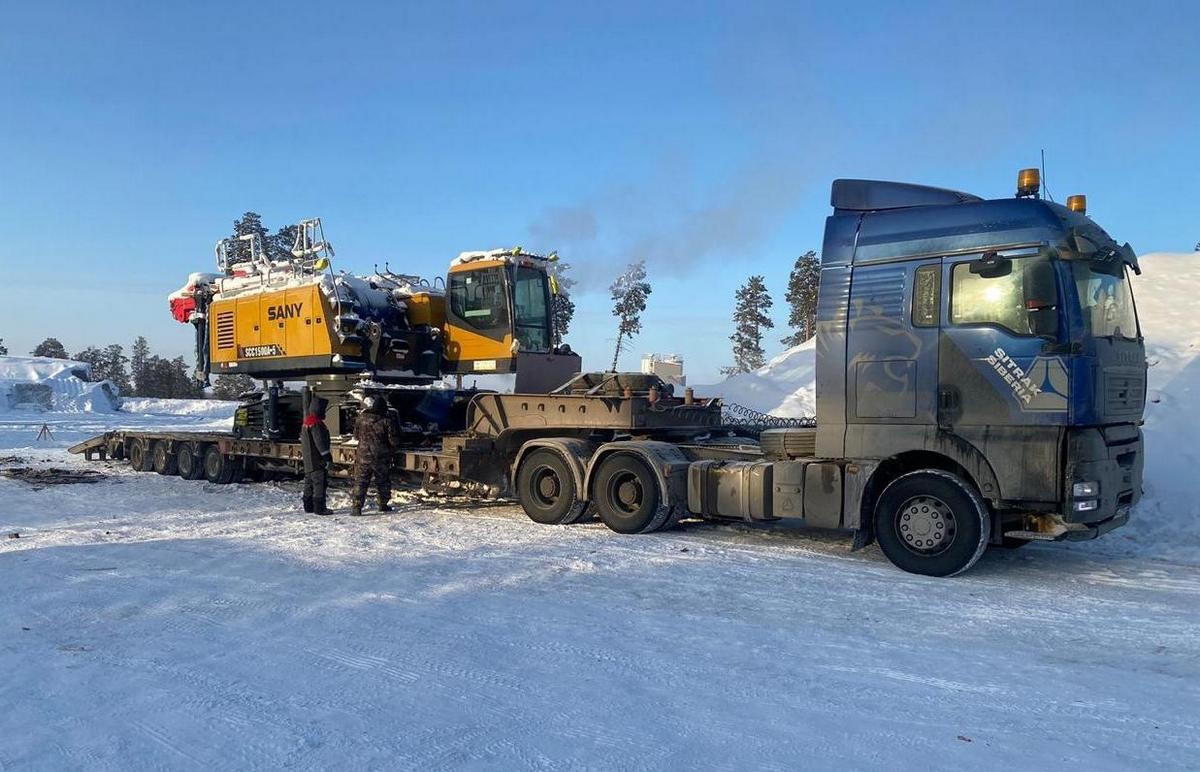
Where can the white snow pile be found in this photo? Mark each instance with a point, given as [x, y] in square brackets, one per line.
[1169, 515]
[191, 408]
[59, 385]
[785, 386]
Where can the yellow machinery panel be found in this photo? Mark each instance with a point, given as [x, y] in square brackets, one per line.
[291, 323]
[426, 308]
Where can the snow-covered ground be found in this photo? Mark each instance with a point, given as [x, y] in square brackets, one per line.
[151, 622]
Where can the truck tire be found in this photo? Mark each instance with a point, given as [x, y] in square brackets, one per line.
[139, 456]
[546, 489]
[932, 522]
[190, 460]
[627, 497]
[219, 468]
[162, 459]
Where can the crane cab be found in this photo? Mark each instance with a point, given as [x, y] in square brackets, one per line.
[499, 319]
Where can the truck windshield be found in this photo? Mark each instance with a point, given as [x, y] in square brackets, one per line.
[529, 303]
[1105, 299]
[1023, 301]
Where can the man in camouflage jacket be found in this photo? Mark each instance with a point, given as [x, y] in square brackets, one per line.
[378, 439]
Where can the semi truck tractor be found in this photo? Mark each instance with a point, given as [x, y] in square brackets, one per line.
[980, 380]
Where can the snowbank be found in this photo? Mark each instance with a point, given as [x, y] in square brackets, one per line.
[1168, 518]
[194, 408]
[784, 386]
[1169, 515]
[60, 385]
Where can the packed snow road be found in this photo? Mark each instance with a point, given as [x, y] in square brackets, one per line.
[152, 622]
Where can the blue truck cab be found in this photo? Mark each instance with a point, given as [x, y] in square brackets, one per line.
[986, 351]
[980, 379]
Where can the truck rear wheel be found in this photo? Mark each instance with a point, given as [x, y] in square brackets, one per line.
[139, 456]
[162, 459]
[546, 489]
[627, 497]
[219, 468]
[932, 522]
[190, 460]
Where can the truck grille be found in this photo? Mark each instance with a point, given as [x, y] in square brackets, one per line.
[1124, 393]
[225, 339]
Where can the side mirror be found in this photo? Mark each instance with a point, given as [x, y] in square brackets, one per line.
[991, 266]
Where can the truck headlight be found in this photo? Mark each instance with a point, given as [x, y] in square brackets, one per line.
[1084, 506]
[1081, 490]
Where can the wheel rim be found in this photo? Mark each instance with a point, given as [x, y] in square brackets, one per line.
[625, 493]
[546, 486]
[926, 525]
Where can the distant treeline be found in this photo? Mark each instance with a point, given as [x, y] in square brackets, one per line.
[142, 374]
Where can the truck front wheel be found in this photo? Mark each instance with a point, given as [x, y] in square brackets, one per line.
[932, 522]
[546, 489]
[627, 495]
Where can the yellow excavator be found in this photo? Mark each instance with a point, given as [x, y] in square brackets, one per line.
[295, 318]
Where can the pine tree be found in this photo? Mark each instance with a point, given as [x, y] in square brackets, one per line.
[750, 317]
[562, 308]
[115, 369]
[51, 347]
[138, 357]
[231, 385]
[3, 348]
[629, 293]
[250, 222]
[803, 284]
[94, 357]
[167, 378]
[279, 246]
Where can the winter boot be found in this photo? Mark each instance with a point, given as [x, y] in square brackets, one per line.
[308, 504]
[383, 505]
[356, 508]
[319, 507]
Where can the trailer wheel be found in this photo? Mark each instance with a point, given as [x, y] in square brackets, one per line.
[190, 460]
[627, 497]
[219, 468]
[139, 456]
[932, 522]
[162, 459]
[546, 489]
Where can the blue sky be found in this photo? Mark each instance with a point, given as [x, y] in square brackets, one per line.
[701, 137]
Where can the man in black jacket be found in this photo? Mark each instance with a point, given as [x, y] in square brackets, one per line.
[314, 441]
[378, 439]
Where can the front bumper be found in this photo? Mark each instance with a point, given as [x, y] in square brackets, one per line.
[1054, 528]
[1113, 457]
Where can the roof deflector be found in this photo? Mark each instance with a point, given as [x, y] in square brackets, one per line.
[874, 195]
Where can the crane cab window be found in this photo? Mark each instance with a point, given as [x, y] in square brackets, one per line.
[478, 298]
[1024, 300]
[531, 304]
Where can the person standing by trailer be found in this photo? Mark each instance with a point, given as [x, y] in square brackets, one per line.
[378, 439]
[314, 442]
